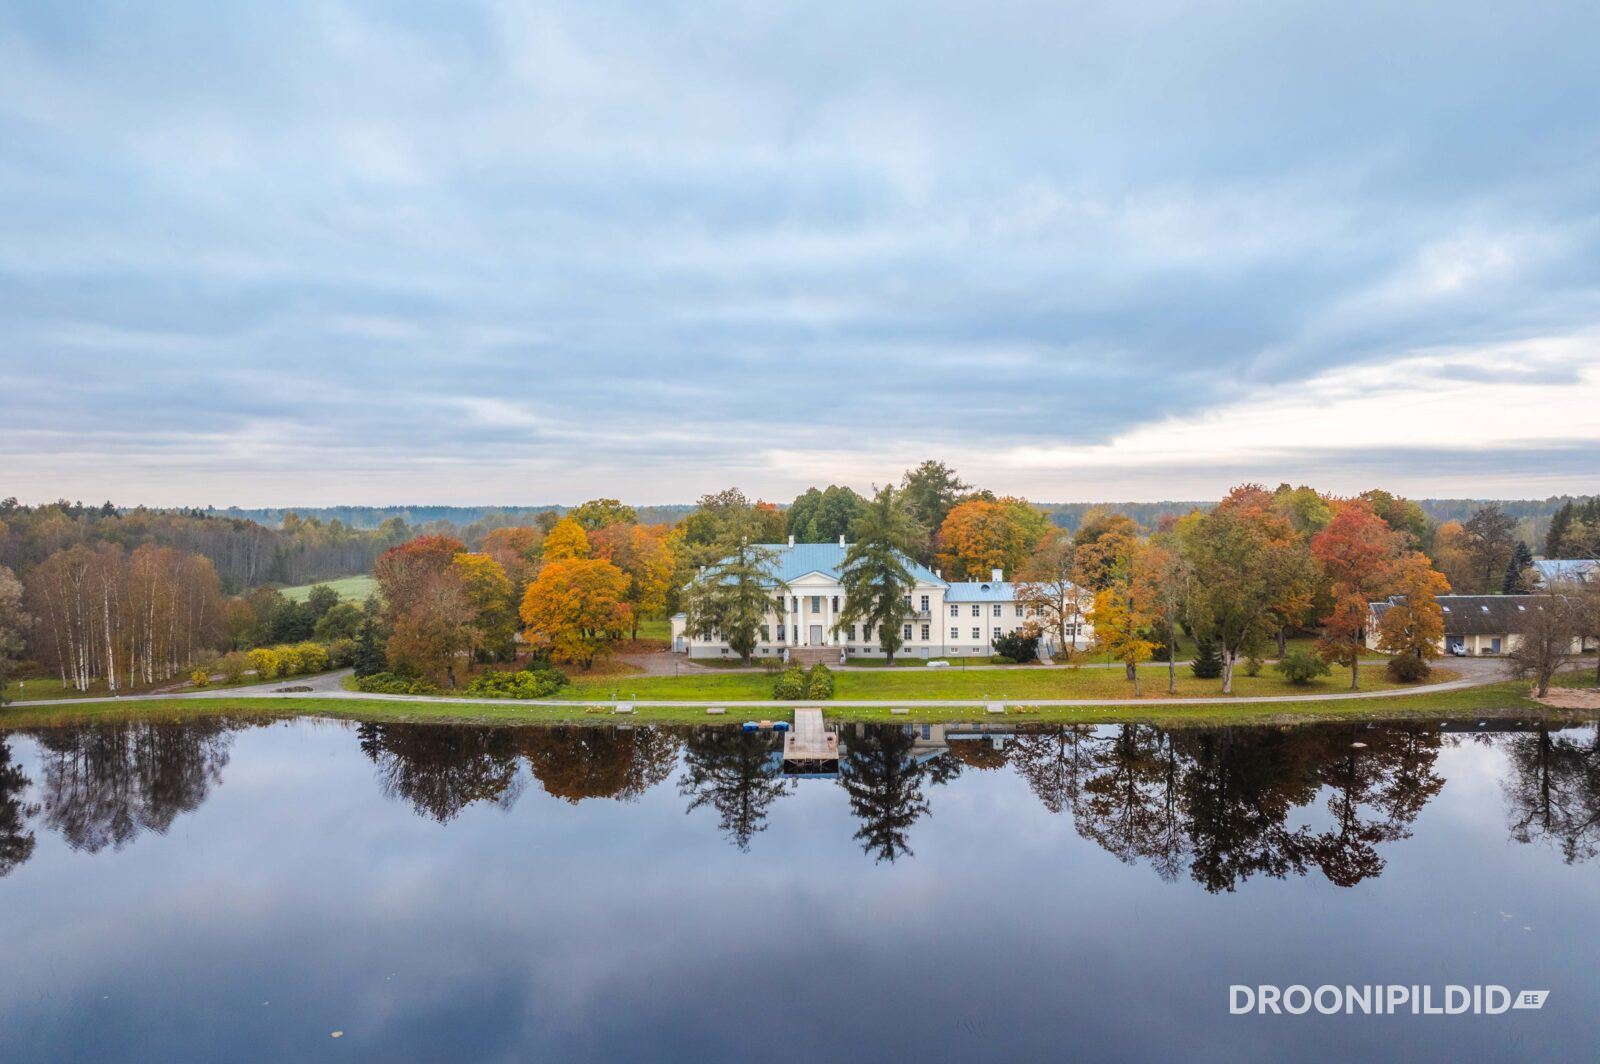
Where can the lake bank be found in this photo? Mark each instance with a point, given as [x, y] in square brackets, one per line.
[1501, 699]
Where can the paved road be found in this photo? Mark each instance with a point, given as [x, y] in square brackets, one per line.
[1474, 672]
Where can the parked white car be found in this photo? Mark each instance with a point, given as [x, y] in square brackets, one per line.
[938, 664]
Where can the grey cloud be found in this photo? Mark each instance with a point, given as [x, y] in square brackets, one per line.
[936, 227]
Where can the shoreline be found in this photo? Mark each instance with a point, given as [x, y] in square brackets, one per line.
[1503, 699]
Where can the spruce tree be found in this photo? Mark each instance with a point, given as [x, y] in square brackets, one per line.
[369, 658]
[877, 582]
[1518, 580]
[1207, 663]
[731, 597]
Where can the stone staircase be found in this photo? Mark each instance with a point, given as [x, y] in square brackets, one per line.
[809, 656]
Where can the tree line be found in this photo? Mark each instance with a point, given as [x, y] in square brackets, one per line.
[243, 553]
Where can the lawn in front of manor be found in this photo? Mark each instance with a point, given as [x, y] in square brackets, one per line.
[976, 684]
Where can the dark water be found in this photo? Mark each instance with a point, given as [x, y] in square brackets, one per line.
[226, 891]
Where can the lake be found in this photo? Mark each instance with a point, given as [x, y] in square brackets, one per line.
[227, 890]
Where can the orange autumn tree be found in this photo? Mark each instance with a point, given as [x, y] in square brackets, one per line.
[1414, 624]
[576, 609]
[645, 554]
[1355, 552]
[983, 534]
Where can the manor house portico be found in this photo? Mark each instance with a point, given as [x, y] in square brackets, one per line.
[946, 619]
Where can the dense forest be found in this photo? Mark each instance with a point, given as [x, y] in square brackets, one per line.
[244, 553]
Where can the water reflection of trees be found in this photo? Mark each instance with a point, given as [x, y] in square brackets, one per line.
[1219, 803]
[16, 842]
[104, 784]
[1553, 791]
[574, 763]
[883, 774]
[442, 768]
[737, 773]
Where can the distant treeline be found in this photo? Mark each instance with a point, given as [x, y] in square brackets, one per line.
[460, 517]
[243, 552]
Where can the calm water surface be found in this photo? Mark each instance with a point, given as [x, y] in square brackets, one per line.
[230, 891]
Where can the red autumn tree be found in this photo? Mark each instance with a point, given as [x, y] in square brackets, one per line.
[425, 606]
[1356, 552]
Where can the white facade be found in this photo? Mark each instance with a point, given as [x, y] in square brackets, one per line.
[946, 619]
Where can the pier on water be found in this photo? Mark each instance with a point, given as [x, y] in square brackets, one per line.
[809, 746]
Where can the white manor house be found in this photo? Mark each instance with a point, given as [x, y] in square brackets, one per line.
[948, 618]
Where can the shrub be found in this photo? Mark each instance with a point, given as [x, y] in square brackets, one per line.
[1252, 666]
[200, 677]
[533, 683]
[234, 665]
[265, 662]
[791, 683]
[387, 683]
[341, 653]
[1300, 667]
[1017, 646]
[1408, 668]
[819, 682]
[548, 672]
[302, 658]
[1207, 663]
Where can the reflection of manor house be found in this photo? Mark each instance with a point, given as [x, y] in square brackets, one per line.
[946, 619]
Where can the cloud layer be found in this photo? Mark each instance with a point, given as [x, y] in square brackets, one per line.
[374, 252]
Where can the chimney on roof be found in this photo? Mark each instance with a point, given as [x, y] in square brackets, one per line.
[997, 575]
[939, 573]
[791, 540]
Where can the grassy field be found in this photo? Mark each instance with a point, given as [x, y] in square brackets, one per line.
[350, 588]
[655, 628]
[1507, 699]
[954, 683]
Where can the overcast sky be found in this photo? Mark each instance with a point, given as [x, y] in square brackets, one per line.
[313, 253]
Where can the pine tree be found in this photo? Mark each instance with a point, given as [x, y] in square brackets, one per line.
[1207, 663]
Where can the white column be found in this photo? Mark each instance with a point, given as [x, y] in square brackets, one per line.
[827, 620]
[794, 620]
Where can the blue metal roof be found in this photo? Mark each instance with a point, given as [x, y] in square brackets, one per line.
[1567, 570]
[980, 591]
[827, 558]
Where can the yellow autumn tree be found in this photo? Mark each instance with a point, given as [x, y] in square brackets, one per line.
[492, 601]
[576, 609]
[1119, 627]
[1124, 611]
[566, 540]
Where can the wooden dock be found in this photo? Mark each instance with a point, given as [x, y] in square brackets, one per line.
[809, 746]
